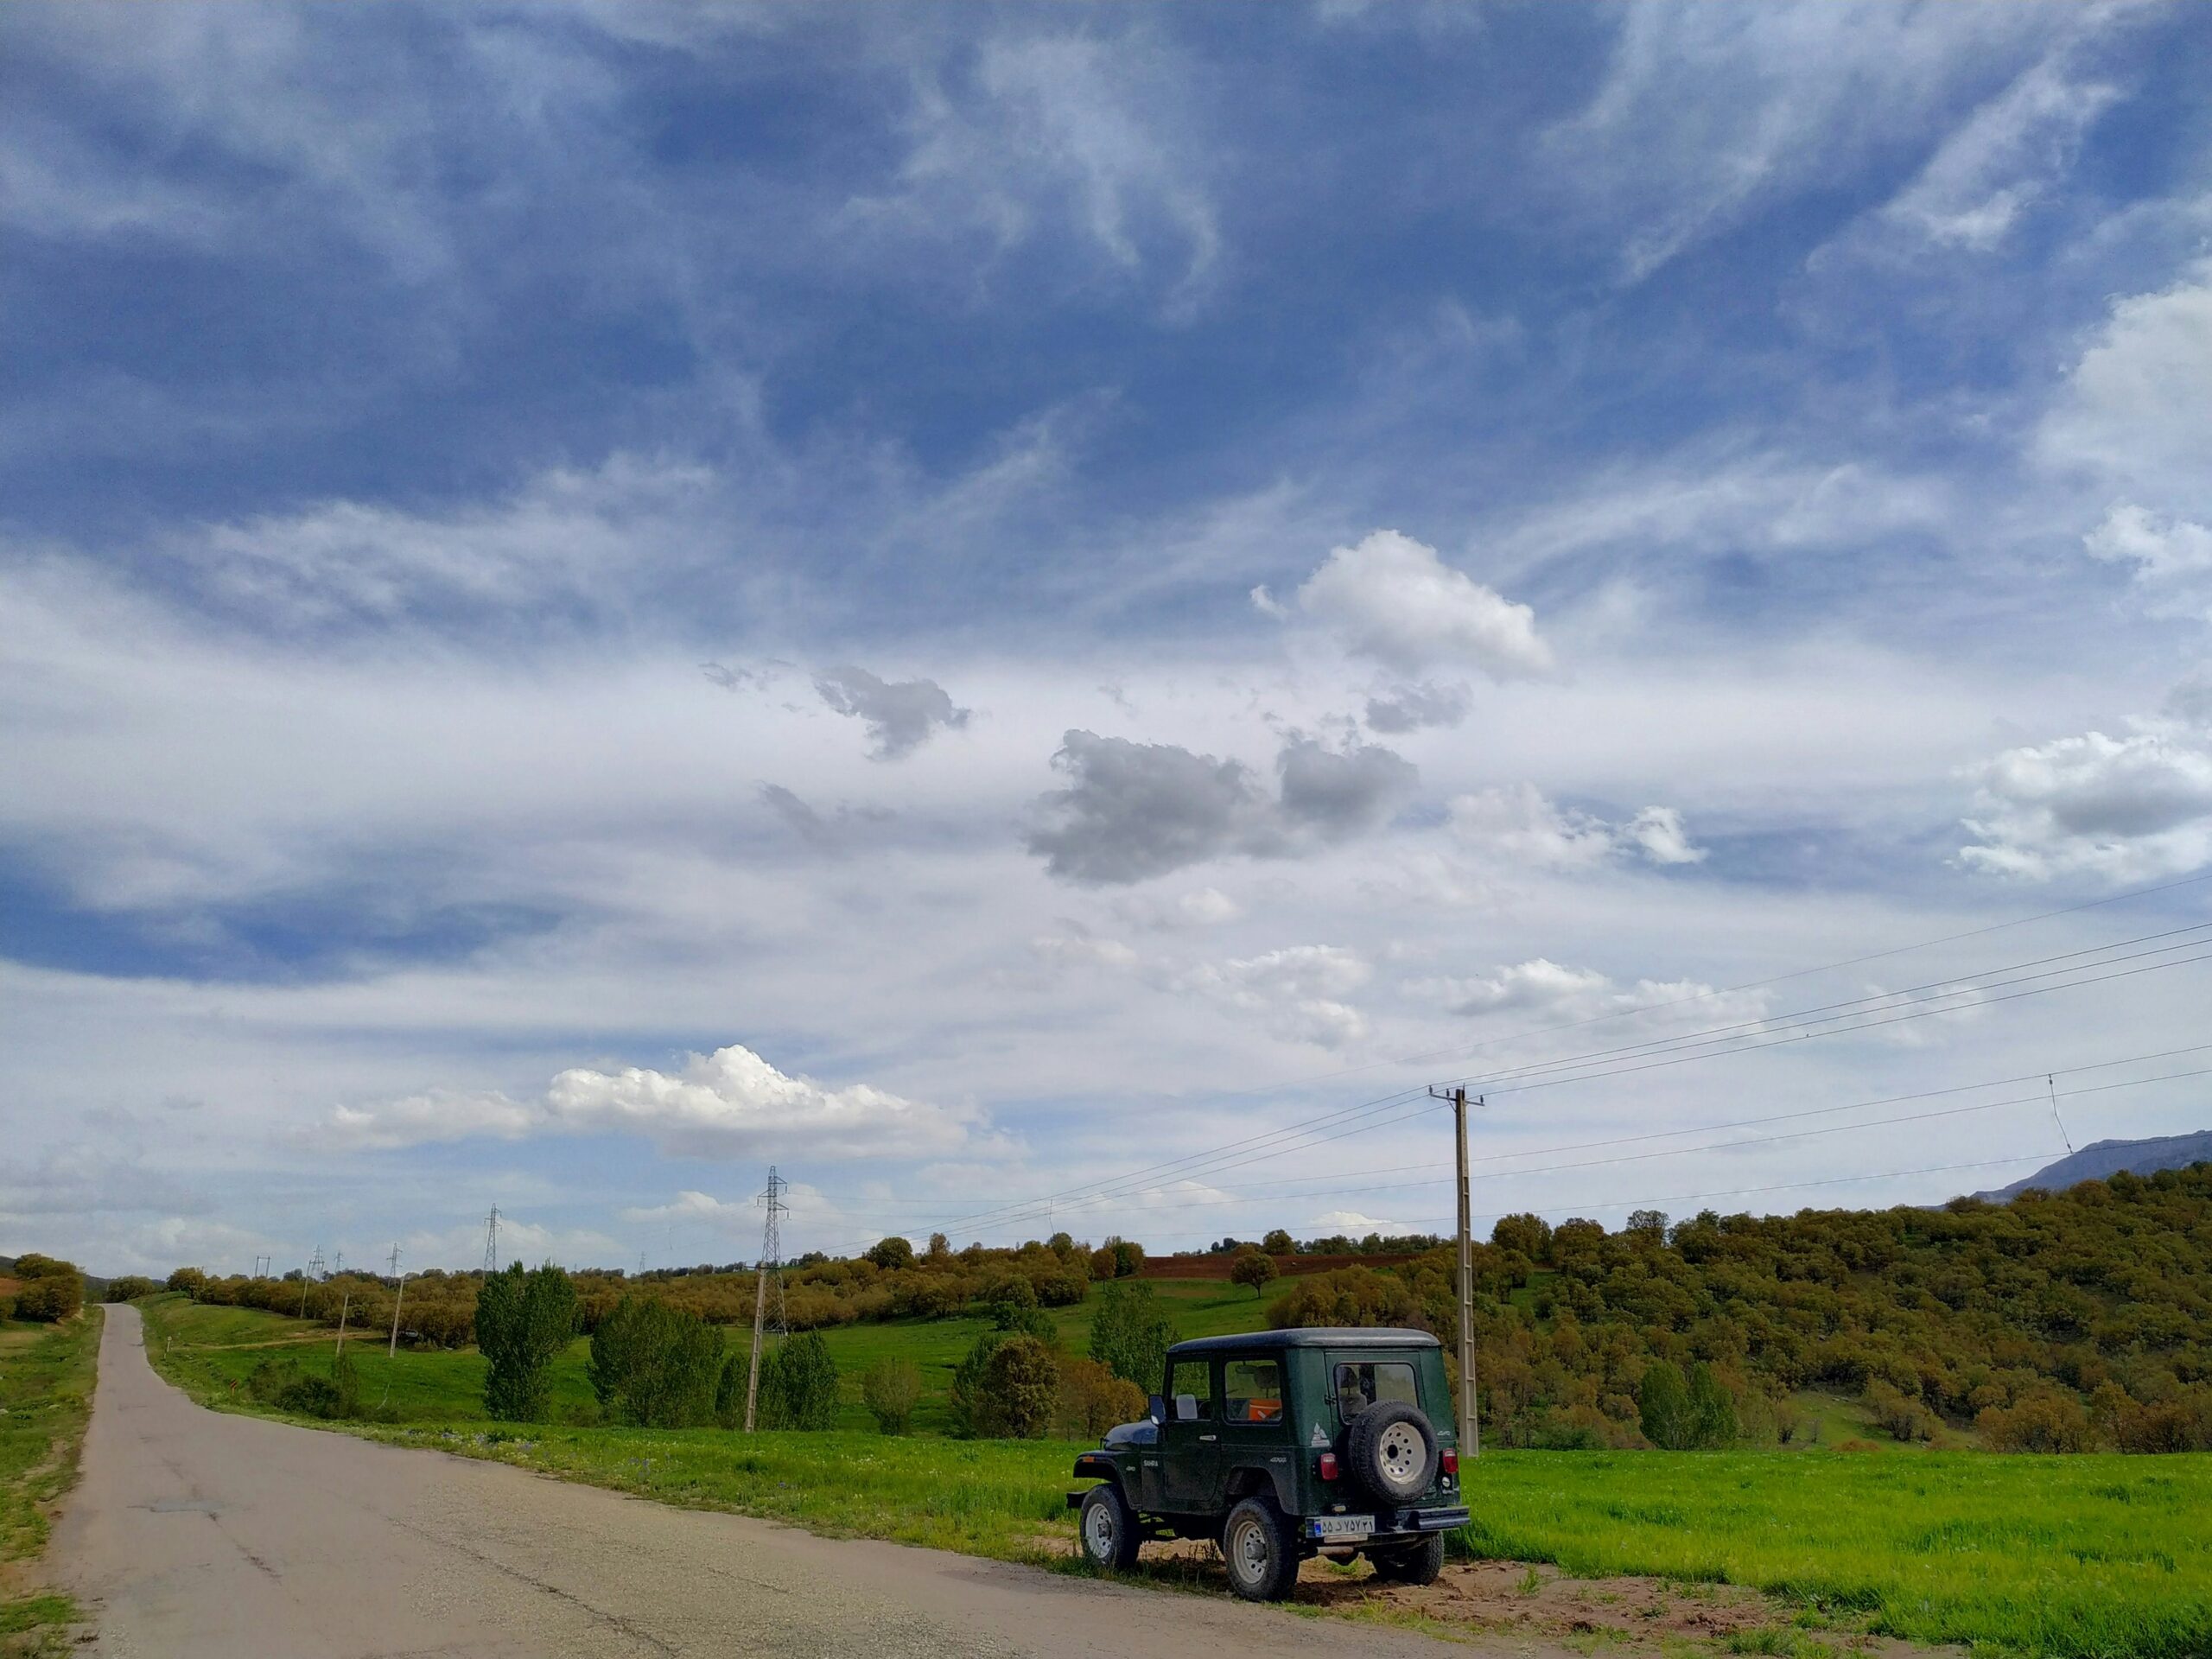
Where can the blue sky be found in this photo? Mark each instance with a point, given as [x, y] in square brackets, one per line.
[961, 601]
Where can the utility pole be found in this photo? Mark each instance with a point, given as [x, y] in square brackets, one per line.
[770, 1262]
[344, 1308]
[1471, 1438]
[492, 1243]
[392, 1352]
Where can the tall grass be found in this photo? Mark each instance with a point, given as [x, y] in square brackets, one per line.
[46, 1390]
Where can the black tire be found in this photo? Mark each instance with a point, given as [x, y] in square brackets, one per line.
[1261, 1555]
[1420, 1563]
[1106, 1530]
[1392, 1451]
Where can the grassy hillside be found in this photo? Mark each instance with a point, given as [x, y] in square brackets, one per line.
[210, 1349]
[46, 1390]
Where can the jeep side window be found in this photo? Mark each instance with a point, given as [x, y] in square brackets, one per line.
[1359, 1386]
[1252, 1390]
[1190, 1391]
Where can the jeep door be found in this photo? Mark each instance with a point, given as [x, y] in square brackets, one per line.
[1190, 1441]
[1256, 1420]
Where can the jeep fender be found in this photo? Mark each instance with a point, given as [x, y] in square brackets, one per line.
[1097, 1465]
[1248, 1478]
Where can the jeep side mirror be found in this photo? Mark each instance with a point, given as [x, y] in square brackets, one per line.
[1156, 1408]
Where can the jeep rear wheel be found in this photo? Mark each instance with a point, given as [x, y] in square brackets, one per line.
[1107, 1530]
[1419, 1563]
[1261, 1555]
[1392, 1451]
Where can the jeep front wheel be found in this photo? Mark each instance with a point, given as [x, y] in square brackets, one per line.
[1108, 1530]
[1261, 1555]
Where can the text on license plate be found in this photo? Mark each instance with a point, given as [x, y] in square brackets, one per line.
[1342, 1526]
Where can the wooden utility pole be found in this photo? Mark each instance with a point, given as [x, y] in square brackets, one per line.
[1471, 1437]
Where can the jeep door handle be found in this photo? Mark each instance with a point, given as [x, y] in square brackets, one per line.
[1209, 1437]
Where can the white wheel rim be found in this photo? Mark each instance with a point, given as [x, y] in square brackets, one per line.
[1249, 1551]
[1402, 1455]
[1098, 1532]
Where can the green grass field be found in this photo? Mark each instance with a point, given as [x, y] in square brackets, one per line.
[46, 1391]
[2092, 1557]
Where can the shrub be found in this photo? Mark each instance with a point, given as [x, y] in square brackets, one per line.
[50, 1297]
[311, 1396]
[1685, 1414]
[129, 1289]
[1358, 1296]
[890, 1387]
[522, 1321]
[1251, 1265]
[798, 1384]
[1018, 1390]
[188, 1280]
[1899, 1414]
[2041, 1422]
[655, 1364]
[1130, 1335]
[1093, 1399]
[965, 1401]
[266, 1382]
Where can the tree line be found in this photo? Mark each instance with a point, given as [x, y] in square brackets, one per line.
[2060, 1321]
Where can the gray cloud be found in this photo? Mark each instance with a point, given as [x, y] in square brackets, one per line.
[809, 825]
[1339, 795]
[1134, 811]
[1412, 707]
[900, 715]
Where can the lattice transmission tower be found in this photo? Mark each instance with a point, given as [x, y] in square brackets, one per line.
[492, 1243]
[770, 1268]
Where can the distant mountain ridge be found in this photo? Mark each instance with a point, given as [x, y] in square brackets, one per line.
[2094, 1163]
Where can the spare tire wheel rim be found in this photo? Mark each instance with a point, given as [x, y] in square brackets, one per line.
[1098, 1532]
[1403, 1455]
[1249, 1551]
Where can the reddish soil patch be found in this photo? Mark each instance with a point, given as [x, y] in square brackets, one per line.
[1536, 1603]
[1287, 1266]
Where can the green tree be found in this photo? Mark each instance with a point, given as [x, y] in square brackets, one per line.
[1253, 1267]
[50, 1298]
[1279, 1242]
[1020, 1389]
[655, 1365]
[892, 1252]
[129, 1289]
[1663, 1403]
[966, 1402]
[1012, 1303]
[188, 1280]
[798, 1384]
[1129, 1334]
[1711, 1410]
[891, 1388]
[522, 1321]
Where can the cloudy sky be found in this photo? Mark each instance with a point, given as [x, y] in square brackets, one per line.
[980, 603]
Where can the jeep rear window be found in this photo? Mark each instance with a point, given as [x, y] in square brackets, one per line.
[1253, 1391]
[1359, 1386]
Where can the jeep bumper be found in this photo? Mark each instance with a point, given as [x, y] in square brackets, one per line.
[1390, 1524]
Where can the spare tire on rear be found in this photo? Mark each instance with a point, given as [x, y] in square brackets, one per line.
[1392, 1451]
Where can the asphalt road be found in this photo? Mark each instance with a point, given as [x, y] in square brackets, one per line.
[196, 1532]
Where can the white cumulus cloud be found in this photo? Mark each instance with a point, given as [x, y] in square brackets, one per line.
[2126, 808]
[1516, 823]
[1390, 597]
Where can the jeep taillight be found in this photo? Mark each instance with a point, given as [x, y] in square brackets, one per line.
[1451, 1460]
[1328, 1466]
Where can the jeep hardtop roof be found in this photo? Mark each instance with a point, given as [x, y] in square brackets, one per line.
[1327, 1336]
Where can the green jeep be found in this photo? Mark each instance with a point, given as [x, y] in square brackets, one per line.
[1283, 1445]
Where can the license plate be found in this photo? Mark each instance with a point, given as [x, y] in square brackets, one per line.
[1344, 1526]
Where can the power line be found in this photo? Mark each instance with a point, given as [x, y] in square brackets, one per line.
[1922, 1001]
[2028, 1099]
